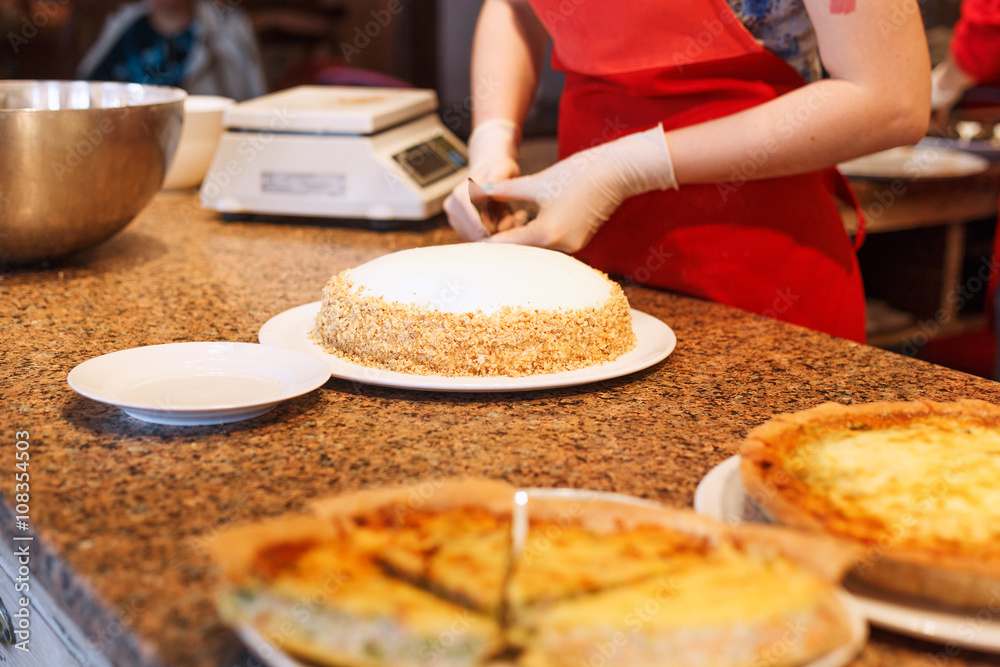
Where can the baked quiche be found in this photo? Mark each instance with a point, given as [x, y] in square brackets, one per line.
[470, 572]
[307, 589]
[642, 587]
[451, 536]
[916, 485]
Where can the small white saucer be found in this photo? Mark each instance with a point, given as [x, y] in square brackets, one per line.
[198, 383]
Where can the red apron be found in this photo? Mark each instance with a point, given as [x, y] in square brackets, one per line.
[775, 247]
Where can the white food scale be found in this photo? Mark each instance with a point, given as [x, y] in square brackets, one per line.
[335, 152]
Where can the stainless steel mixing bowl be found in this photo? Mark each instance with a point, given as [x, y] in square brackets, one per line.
[78, 161]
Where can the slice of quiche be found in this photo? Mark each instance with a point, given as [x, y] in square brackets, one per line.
[580, 545]
[634, 586]
[448, 536]
[303, 585]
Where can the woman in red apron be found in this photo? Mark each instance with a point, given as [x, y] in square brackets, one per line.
[692, 158]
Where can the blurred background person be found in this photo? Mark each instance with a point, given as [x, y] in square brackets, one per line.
[202, 46]
[973, 58]
[973, 55]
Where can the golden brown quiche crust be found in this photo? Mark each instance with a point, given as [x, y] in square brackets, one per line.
[944, 571]
[374, 530]
[657, 554]
[450, 536]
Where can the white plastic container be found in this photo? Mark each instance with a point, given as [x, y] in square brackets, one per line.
[199, 137]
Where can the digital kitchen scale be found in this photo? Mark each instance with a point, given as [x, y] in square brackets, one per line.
[335, 152]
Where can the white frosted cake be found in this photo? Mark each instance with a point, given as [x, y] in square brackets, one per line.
[475, 309]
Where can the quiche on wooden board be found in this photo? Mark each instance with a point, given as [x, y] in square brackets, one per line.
[458, 573]
[916, 485]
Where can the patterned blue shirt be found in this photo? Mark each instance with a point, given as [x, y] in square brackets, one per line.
[143, 55]
[783, 27]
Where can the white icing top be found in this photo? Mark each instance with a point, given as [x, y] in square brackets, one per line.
[466, 277]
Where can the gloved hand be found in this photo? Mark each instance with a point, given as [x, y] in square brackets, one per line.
[948, 84]
[493, 149]
[577, 195]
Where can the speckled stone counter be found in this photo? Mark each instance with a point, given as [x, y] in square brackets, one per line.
[121, 509]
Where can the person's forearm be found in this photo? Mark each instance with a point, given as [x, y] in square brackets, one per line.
[877, 97]
[807, 129]
[507, 54]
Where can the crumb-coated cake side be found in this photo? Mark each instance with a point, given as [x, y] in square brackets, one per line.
[475, 309]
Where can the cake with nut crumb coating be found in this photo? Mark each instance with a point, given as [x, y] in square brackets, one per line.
[475, 309]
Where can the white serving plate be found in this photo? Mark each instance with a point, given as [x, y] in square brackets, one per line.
[987, 149]
[916, 163]
[292, 329]
[721, 495]
[198, 383]
[273, 656]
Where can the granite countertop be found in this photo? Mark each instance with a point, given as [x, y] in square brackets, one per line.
[122, 509]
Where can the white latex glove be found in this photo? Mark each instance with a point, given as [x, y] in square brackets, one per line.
[948, 84]
[493, 149]
[577, 195]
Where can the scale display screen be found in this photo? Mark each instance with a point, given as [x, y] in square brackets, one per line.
[431, 160]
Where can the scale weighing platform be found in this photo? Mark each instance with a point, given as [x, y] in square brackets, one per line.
[335, 152]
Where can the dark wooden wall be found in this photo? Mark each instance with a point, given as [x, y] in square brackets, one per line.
[45, 39]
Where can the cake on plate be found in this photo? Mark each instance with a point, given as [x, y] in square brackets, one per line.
[475, 309]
